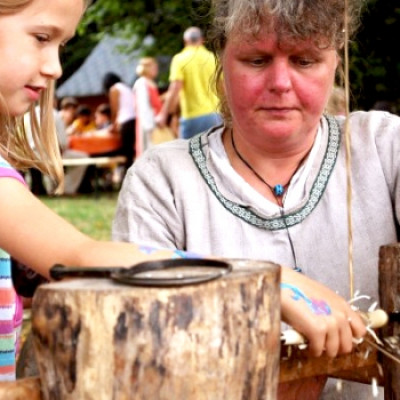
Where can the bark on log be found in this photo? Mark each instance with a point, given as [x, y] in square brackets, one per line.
[298, 364]
[389, 294]
[21, 389]
[96, 339]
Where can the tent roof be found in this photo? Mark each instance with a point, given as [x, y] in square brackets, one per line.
[105, 57]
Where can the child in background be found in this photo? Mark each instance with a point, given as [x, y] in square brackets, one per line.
[148, 102]
[83, 122]
[68, 107]
[102, 116]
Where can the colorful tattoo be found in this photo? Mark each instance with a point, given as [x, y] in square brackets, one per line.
[175, 253]
[148, 249]
[318, 307]
[185, 254]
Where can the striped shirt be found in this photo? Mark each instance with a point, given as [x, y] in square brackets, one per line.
[10, 302]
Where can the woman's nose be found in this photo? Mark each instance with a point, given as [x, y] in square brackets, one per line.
[279, 76]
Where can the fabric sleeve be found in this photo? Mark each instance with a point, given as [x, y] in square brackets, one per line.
[176, 73]
[388, 145]
[6, 171]
[384, 129]
[146, 212]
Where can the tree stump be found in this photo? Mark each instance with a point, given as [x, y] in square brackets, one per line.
[96, 339]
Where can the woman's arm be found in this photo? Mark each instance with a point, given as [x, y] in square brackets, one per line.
[322, 316]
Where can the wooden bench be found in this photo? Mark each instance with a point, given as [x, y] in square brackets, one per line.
[101, 162]
[97, 162]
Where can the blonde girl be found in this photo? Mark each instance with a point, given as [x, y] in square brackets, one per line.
[148, 102]
[32, 32]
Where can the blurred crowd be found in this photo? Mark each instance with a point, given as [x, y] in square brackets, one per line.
[129, 119]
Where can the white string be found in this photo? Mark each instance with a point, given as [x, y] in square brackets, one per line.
[348, 151]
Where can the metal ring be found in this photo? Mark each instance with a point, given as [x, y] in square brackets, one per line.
[129, 276]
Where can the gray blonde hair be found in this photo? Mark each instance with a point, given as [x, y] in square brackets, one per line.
[14, 142]
[144, 65]
[323, 20]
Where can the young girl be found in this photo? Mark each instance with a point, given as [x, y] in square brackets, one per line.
[31, 35]
[32, 32]
[147, 101]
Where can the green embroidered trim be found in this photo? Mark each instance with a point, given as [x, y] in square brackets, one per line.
[294, 218]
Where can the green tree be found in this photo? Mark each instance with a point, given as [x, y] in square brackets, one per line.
[164, 20]
[375, 58]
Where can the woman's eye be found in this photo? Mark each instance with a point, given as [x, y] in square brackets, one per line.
[304, 62]
[257, 62]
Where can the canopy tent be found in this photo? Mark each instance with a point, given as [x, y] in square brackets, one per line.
[106, 57]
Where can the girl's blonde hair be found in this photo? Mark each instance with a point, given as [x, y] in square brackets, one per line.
[14, 142]
[144, 65]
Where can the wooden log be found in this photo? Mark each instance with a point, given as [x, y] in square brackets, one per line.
[389, 295]
[96, 339]
[361, 365]
[22, 389]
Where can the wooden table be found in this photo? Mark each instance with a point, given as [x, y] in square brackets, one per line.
[95, 143]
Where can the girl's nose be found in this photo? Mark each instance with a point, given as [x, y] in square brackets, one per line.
[51, 66]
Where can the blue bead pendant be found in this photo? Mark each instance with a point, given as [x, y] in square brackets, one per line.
[278, 190]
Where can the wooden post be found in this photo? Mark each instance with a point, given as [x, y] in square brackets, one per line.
[389, 294]
[96, 339]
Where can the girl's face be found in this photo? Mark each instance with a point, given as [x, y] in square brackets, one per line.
[153, 70]
[30, 42]
[277, 93]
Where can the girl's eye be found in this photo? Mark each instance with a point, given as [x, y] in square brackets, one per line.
[42, 37]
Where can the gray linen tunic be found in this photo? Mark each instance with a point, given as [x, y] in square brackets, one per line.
[186, 195]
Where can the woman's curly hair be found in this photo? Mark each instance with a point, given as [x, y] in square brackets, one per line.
[326, 21]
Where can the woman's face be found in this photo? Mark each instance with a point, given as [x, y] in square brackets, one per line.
[30, 42]
[276, 93]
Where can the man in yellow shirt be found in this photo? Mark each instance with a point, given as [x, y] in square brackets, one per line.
[191, 74]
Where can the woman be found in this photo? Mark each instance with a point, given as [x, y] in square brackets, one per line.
[123, 114]
[148, 102]
[271, 182]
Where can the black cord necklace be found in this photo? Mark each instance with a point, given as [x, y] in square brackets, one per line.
[278, 191]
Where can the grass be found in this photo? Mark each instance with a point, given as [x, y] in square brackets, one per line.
[90, 215]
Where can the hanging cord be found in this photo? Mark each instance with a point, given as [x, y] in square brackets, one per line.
[278, 197]
[348, 150]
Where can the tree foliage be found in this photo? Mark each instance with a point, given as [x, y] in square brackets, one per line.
[374, 57]
[164, 20]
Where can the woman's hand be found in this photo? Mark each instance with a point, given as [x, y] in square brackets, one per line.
[322, 316]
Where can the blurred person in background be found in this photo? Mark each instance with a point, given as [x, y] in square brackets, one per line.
[123, 115]
[148, 102]
[191, 75]
[67, 111]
